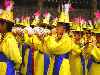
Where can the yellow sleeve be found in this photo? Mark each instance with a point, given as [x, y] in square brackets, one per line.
[37, 43]
[29, 40]
[90, 48]
[61, 47]
[26, 38]
[65, 45]
[35, 40]
[49, 44]
[11, 50]
[75, 48]
[96, 53]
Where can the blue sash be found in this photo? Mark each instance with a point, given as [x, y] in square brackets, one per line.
[10, 65]
[46, 63]
[29, 65]
[83, 63]
[90, 60]
[23, 52]
[58, 62]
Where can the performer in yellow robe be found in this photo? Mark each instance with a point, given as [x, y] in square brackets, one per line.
[75, 60]
[51, 57]
[95, 67]
[38, 53]
[38, 56]
[9, 51]
[10, 58]
[26, 67]
[88, 40]
[61, 49]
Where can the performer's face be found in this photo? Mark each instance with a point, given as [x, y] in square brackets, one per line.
[88, 34]
[60, 30]
[77, 35]
[98, 38]
[2, 27]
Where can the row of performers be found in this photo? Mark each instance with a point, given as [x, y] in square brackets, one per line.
[38, 51]
[59, 51]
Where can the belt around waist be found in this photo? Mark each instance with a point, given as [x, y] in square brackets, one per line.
[64, 55]
[3, 58]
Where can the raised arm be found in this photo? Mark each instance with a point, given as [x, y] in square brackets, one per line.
[96, 53]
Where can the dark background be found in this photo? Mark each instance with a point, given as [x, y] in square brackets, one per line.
[27, 7]
[76, 3]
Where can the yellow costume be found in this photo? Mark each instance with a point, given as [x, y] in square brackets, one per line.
[38, 56]
[86, 52]
[75, 64]
[65, 45]
[26, 67]
[95, 67]
[75, 60]
[9, 52]
[9, 47]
